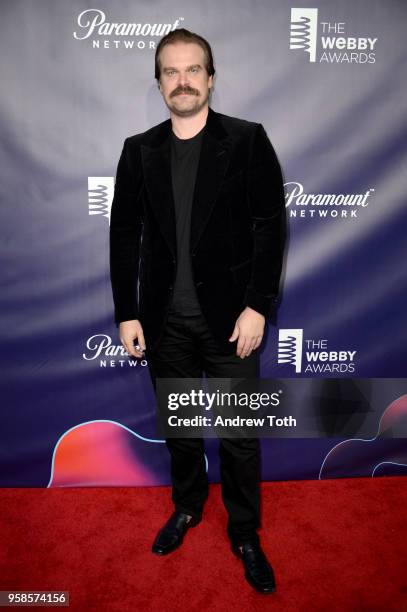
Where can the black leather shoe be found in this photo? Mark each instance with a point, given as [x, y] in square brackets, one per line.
[171, 535]
[258, 571]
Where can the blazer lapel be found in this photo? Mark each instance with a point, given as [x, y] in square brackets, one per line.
[156, 160]
[213, 162]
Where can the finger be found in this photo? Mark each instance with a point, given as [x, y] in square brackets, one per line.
[242, 346]
[137, 352]
[130, 349]
[248, 352]
[124, 344]
[251, 345]
[258, 342]
[137, 348]
[141, 341]
[235, 334]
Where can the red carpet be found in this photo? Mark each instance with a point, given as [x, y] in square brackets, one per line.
[335, 545]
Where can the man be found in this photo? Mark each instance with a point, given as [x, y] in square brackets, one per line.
[197, 235]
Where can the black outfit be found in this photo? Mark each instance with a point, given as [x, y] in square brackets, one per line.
[187, 349]
[237, 231]
[189, 250]
[184, 163]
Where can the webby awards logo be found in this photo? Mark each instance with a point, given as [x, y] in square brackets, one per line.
[328, 41]
[100, 195]
[312, 355]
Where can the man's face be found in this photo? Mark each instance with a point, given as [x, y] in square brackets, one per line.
[184, 82]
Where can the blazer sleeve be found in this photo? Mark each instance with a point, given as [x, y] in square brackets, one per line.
[265, 193]
[124, 235]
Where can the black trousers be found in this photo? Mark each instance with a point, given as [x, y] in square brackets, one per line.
[187, 349]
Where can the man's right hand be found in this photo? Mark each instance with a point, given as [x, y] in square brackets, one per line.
[130, 331]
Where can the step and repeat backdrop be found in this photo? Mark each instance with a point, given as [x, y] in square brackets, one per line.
[327, 81]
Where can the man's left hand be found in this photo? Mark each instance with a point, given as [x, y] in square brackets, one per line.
[249, 329]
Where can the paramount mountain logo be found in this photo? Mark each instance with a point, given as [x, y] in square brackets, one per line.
[92, 24]
[100, 195]
[312, 355]
[324, 205]
[332, 45]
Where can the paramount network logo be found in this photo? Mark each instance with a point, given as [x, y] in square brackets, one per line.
[100, 195]
[337, 48]
[316, 356]
[94, 25]
[101, 350]
[324, 205]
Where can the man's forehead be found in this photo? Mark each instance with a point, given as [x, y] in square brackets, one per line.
[182, 54]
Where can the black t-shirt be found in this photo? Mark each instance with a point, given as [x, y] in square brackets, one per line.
[184, 163]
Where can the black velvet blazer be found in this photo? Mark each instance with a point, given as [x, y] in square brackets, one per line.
[238, 227]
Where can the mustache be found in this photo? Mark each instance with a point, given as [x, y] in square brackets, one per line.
[188, 90]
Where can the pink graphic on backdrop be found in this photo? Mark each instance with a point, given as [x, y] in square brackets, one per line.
[99, 453]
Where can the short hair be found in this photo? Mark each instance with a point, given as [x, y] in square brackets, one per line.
[183, 35]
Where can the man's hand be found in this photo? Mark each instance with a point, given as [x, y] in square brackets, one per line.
[130, 331]
[249, 329]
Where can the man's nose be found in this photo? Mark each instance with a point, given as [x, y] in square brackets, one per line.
[183, 79]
